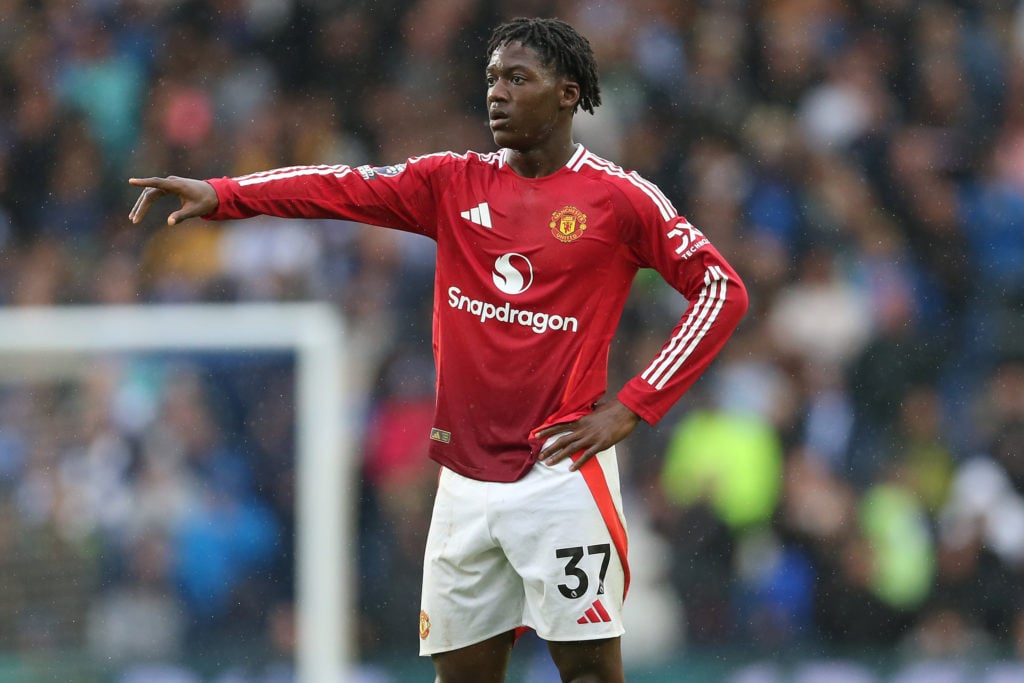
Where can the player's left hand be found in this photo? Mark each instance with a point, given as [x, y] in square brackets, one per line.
[609, 424]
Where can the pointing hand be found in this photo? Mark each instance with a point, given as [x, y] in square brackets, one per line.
[197, 197]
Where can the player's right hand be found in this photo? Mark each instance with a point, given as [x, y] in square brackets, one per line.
[197, 197]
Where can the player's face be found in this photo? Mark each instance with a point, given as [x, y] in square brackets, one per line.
[526, 101]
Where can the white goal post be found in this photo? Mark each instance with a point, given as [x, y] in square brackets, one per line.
[325, 461]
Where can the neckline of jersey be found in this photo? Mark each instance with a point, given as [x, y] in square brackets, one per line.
[569, 165]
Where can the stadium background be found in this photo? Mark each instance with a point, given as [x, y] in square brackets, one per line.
[840, 499]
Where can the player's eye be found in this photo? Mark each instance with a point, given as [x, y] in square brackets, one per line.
[491, 80]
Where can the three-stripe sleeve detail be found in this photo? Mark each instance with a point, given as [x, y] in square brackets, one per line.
[702, 315]
[292, 172]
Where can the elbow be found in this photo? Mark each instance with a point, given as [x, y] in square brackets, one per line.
[742, 297]
[739, 299]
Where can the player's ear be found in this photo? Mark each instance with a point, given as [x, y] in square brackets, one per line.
[570, 94]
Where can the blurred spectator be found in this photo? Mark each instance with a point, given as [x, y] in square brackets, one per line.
[400, 482]
[899, 541]
[821, 319]
[101, 83]
[720, 484]
[730, 461]
[140, 618]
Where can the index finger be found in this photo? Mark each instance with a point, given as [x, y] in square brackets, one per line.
[157, 182]
[552, 430]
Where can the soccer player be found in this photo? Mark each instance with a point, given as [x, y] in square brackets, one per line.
[537, 246]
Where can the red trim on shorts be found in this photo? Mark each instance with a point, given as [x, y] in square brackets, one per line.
[593, 474]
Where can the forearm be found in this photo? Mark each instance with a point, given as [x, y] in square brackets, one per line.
[697, 339]
[335, 192]
[294, 192]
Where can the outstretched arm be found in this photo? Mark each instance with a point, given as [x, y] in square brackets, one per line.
[197, 197]
[399, 196]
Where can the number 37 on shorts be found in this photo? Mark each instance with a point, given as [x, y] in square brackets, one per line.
[579, 580]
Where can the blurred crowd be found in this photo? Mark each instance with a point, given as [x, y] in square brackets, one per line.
[850, 473]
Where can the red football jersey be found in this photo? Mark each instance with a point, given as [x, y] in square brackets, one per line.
[532, 276]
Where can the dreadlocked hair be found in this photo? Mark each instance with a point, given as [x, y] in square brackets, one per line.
[560, 46]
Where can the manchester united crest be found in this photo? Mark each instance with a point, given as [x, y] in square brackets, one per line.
[424, 625]
[567, 224]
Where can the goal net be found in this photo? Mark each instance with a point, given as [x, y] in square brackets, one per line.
[55, 364]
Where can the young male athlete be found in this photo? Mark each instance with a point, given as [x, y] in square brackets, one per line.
[537, 245]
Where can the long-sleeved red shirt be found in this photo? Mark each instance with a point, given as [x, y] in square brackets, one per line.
[531, 279]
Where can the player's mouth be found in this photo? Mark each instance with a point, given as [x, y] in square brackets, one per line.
[498, 119]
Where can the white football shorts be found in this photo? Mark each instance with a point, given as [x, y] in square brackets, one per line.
[546, 552]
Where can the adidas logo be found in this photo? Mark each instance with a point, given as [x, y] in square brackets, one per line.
[480, 214]
[595, 614]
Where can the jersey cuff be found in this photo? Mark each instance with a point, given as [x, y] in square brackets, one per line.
[632, 401]
[222, 186]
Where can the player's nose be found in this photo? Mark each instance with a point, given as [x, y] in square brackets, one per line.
[497, 93]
